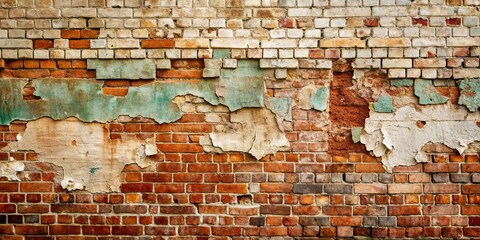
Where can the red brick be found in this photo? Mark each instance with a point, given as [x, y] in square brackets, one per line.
[346, 221]
[403, 210]
[137, 187]
[158, 43]
[471, 167]
[7, 208]
[120, 92]
[440, 167]
[193, 128]
[317, 53]
[453, 21]
[441, 188]
[95, 230]
[369, 168]
[201, 188]
[279, 167]
[337, 210]
[127, 230]
[329, 232]
[471, 231]
[194, 231]
[232, 188]
[67, 33]
[413, 221]
[80, 208]
[419, 21]
[441, 210]
[470, 210]
[169, 188]
[370, 210]
[8, 187]
[6, 229]
[305, 210]
[34, 73]
[89, 33]
[79, 44]
[42, 43]
[371, 22]
[179, 148]
[31, 229]
[159, 231]
[179, 73]
[209, 209]
[276, 187]
[80, 73]
[48, 64]
[35, 187]
[452, 232]
[65, 229]
[274, 231]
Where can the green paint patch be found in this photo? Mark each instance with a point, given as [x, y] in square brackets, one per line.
[222, 53]
[384, 104]
[243, 86]
[470, 94]
[123, 69]
[319, 99]
[427, 93]
[356, 132]
[401, 82]
[282, 107]
[83, 99]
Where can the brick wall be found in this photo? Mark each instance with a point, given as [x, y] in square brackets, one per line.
[239, 119]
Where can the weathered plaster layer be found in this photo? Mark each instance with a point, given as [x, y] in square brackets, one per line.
[398, 138]
[124, 69]
[10, 170]
[252, 130]
[89, 158]
[470, 94]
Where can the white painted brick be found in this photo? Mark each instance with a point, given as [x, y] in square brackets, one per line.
[313, 33]
[270, 53]
[115, 12]
[396, 73]
[347, 12]
[304, 12]
[322, 22]
[338, 22]
[414, 73]
[89, 54]
[463, 42]
[348, 53]
[295, 33]
[105, 54]
[308, 43]
[323, 64]
[277, 33]
[10, 54]
[79, 12]
[427, 42]
[285, 53]
[429, 73]
[217, 23]
[366, 63]
[230, 63]
[301, 53]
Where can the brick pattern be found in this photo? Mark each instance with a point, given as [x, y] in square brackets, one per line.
[323, 185]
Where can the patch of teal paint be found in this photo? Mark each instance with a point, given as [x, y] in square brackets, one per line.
[123, 69]
[427, 93]
[384, 104]
[243, 86]
[319, 99]
[93, 170]
[470, 94]
[62, 98]
[222, 53]
[282, 107]
[356, 132]
[401, 82]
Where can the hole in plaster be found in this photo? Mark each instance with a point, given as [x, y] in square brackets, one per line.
[29, 92]
[421, 124]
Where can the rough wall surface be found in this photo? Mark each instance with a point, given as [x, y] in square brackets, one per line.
[239, 119]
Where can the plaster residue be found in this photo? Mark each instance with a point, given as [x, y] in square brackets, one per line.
[89, 158]
[312, 96]
[398, 138]
[426, 92]
[10, 169]
[250, 130]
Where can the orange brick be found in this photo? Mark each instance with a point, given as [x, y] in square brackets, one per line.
[79, 44]
[121, 92]
[179, 74]
[42, 43]
[67, 33]
[31, 64]
[48, 64]
[89, 33]
[157, 43]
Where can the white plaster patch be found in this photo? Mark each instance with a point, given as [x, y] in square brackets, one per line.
[396, 138]
[10, 170]
[252, 130]
[89, 158]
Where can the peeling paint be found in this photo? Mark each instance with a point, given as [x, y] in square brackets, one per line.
[94, 163]
[10, 169]
[384, 104]
[83, 99]
[320, 98]
[427, 93]
[123, 69]
[251, 130]
[470, 94]
[356, 132]
[401, 82]
[398, 140]
[282, 107]
[243, 86]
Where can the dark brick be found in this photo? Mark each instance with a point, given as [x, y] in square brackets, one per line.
[440, 177]
[385, 178]
[32, 219]
[275, 209]
[307, 188]
[257, 221]
[387, 221]
[370, 221]
[15, 219]
[130, 209]
[338, 188]
[314, 221]
[460, 177]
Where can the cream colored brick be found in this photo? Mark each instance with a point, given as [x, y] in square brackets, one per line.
[396, 63]
[235, 43]
[428, 42]
[366, 63]
[43, 13]
[189, 53]
[347, 12]
[57, 54]
[16, 43]
[278, 63]
[396, 73]
[463, 42]
[342, 42]
[163, 63]
[26, 53]
[460, 73]
[192, 43]
[151, 12]
[79, 12]
[9, 54]
[114, 12]
[105, 54]
[123, 43]
[389, 42]
[89, 54]
[279, 43]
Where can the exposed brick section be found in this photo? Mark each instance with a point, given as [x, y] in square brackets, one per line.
[157, 43]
